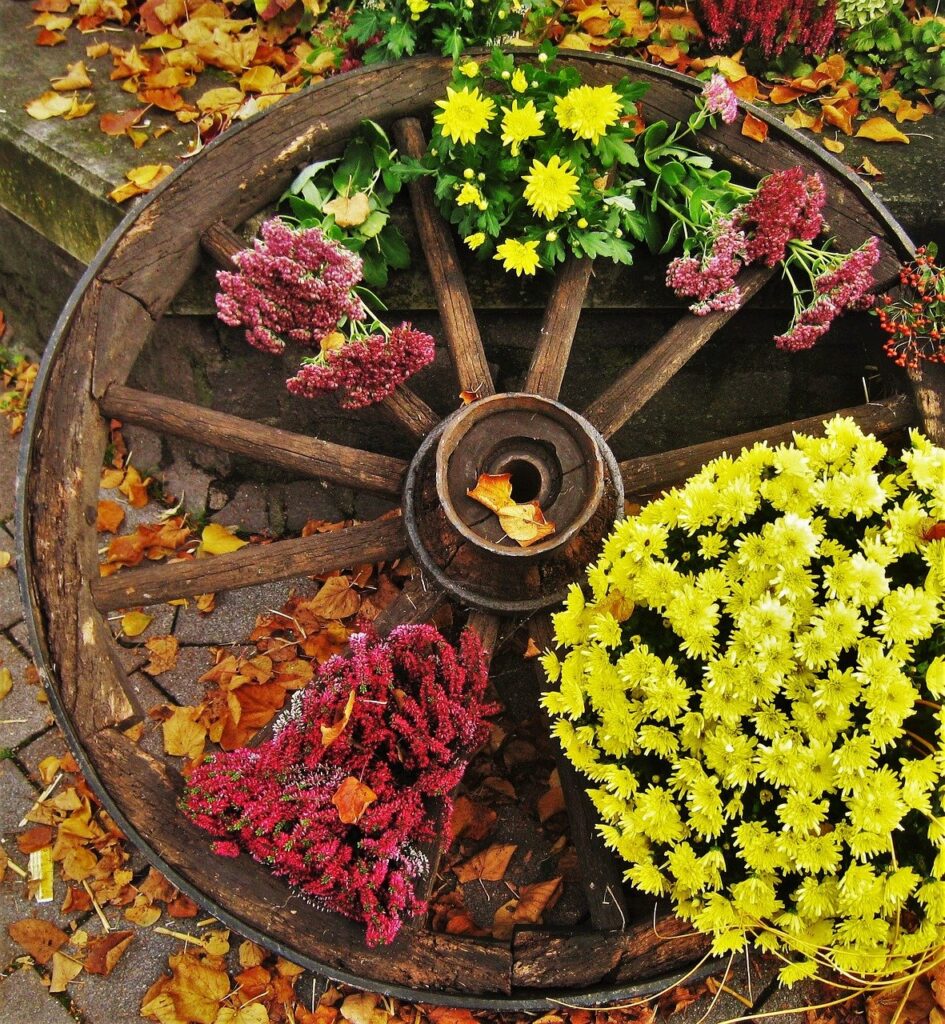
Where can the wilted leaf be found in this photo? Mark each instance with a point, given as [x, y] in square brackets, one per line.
[39, 938]
[362, 1008]
[336, 599]
[118, 124]
[76, 77]
[869, 168]
[163, 651]
[135, 623]
[880, 130]
[349, 211]
[50, 104]
[525, 523]
[110, 516]
[834, 145]
[140, 180]
[332, 732]
[493, 491]
[64, 970]
[755, 128]
[535, 899]
[450, 1015]
[225, 99]
[489, 864]
[551, 803]
[352, 799]
[218, 540]
[471, 820]
[133, 487]
[50, 37]
[34, 838]
[184, 736]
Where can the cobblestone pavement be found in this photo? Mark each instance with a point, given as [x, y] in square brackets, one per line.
[28, 733]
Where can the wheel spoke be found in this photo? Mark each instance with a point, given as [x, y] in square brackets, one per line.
[550, 358]
[377, 541]
[406, 409]
[648, 472]
[452, 295]
[310, 456]
[637, 385]
[417, 603]
[601, 875]
[486, 626]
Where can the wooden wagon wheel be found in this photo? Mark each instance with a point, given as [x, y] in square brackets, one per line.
[553, 453]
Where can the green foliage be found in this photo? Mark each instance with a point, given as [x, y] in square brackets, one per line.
[357, 189]
[400, 28]
[915, 49]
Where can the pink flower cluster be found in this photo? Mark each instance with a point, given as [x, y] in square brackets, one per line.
[719, 99]
[846, 287]
[366, 370]
[786, 206]
[417, 717]
[771, 24]
[291, 286]
[711, 279]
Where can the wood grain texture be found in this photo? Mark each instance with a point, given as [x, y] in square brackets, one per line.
[417, 603]
[405, 408]
[486, 626]
[122, 327]
[601, 874]
[928, 387]
[662, 361]
[648, 472]
[553, 349]
[457, 316]
[378, 541]
[309, 456]
[223, 244]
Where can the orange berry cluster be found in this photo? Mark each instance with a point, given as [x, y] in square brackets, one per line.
[915, 320]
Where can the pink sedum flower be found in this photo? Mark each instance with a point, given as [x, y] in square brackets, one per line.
[786, 206]
[293, 285]
[711, 279]
[366, 370]
[719, 99]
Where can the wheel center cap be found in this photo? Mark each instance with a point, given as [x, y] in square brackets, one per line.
[552, 456]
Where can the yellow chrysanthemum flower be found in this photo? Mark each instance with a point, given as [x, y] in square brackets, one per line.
[522, 257]
[418, 6]
[550, 188]
[464, 114]
[475, 240]
[519, 124]
[468, 195]
[587, 111]
[519, 82]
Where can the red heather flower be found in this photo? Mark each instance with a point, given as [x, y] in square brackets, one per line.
[719, 99]
[366, 370]
[293, 285]
[771, 24]
[786, 206]
[710, 280]
[417, 717]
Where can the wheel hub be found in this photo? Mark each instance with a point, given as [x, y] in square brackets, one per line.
[553, 456]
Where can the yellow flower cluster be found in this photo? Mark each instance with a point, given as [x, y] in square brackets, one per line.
[752, 685]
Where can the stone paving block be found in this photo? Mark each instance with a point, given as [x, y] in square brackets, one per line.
[11, 608]
[236, 611]
[180, 682]
[20, 634]
[187, 483]
[145, 449]
[247, 509]
[24, 711]
[303, 500]
[24, 1000]
[51, 743]
[162, 623]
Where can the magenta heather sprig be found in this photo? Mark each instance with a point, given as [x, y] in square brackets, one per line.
[418, 715]
[366, 370]
[771, 24]
[291, 286]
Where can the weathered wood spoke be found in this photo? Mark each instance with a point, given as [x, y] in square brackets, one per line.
[417, 603]
[452, 296]
[648, 472]
[378, 541]
[601, 875]
[652, 371]
[405, 408]
[550, 358]
[339, 464]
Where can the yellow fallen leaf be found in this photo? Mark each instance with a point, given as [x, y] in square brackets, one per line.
[51, 21]
[800, 119]
[332, 732]
[868, 168]
[261, 79]
[50, 104]
[6, 682]
[5, 559]
[352, 799]
[834, 145]
[489, 864]
[492, 490]
[349, 211]
[909, 111]
[218, 540]
[76, 77]
[135, 623]
[163, 651]
[225, 99]
[880, 130]
[362, 1008]
[78, 109]
[96, 50]
[755, 128]
[163, 41]
[111, 478]
[140, 180]
[184, 736]
[64, 969]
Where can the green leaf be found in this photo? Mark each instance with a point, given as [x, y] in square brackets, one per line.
[394, 248]
[374, 223]
[672, 237]
[672, 173]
